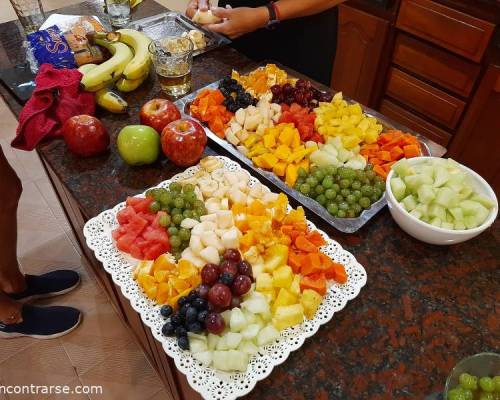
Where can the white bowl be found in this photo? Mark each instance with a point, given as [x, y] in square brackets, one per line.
[431, 234]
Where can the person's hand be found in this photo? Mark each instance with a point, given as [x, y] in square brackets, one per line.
[240, 20]
[194, 5]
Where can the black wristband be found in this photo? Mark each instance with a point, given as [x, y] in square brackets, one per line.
[273, 18]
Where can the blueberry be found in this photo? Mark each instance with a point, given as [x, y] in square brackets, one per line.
[180, 331]
[168, 329]
[183, 342]
[176, 320]
[182, 311]
[192, 296]
[200, 304]
[182, 300]
[166, 311]
[195, 327]
[191, 315]
[202, 316]
[226, 278]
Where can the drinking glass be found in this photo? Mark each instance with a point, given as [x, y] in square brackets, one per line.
[173, 59]
[30, 14]
[119, 12]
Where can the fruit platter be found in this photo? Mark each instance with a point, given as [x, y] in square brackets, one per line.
[328, 153]
[227, 275]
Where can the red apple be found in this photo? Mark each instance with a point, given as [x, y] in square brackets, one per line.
[85, 135]
[183, 142]
[158, 113]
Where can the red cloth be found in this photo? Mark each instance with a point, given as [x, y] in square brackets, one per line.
[56, 98]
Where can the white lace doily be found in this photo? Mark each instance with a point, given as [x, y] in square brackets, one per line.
[210, 383]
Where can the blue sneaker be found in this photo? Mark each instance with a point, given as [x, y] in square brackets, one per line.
[43, 322]
[47, 285]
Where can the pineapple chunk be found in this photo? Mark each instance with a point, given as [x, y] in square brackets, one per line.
[310, 300]
[284, 298]
[264, 282]
[283, 277]
[286, 316]
[275, 256]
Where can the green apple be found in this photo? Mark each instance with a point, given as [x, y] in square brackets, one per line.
[138, 144]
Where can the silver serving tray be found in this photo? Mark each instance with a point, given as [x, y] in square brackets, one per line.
[346, 225]
[175, 24]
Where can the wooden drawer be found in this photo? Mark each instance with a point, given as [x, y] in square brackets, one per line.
[434, 103]
[445, 69]
[419, 125]
[449, 28]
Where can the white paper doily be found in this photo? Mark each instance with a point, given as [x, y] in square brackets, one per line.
[212, 384]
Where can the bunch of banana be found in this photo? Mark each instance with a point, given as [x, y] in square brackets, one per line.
[128, 67]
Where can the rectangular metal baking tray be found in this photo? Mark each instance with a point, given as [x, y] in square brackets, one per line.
[175, 24]
[346, 225]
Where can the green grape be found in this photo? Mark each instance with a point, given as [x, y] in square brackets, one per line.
[377, 192]
[166, 198]
[343, 172]
[321, 199]
[165, 220]
[486, 396]
[360, 175]
[184, 234]
[357, 208]
[190, 197]
[364, 202]
[173, 230]
[313, 170]
[379, 185]
[175, 241]
[496, 381]
[357, 194]
[332, 208]
[319, 189]
[296, 186]
[343, 206]
[175, 211]
[350, 199]
[319, 175]
[350, 213]
[187, 205]
[456, 394]
[336, 187]
[374, 198]
[188, 187]
[370, 174]
[345, 183]
[330, 194]
[179, 202]
[366, 190]
[196, 215]
[311, 181]
[166, 208]
[356, 185]
[327, 182]
[339, 198]
[341, 214]
[200, 210]
[300, 181]
[187, 214]
[175, 187]
[487, 384]
[468, 381]
[198, 203]
[177, 219]
[345, 192]
[154, 207]
[331, 170]
[302, 173]
[305, 188]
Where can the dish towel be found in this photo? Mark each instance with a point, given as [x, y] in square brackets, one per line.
[56, 98]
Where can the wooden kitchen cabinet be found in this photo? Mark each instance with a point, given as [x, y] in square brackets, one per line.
[361, 39]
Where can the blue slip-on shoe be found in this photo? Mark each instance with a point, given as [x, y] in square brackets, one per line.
[50, 284]
[43, 322]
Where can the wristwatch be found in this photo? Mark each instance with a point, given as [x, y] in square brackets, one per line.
[274, 16]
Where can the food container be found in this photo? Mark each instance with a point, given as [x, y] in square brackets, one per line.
[431, 234]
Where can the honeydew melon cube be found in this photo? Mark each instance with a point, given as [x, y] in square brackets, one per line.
[266, 316]
[403, 168]
[196, 336]
[222, 343]
[427, 170]
[233, 340]
[446, 197]
[250, 331]
[398, 188]
[423, 208]
[232, 360]
[425, 194]
[481, 214]
[459, 225]
[330, 149]
[449, 217]
[197, 346]
[436, 210]
[412, 183]
[447, 225]
[322, 159]
[205, 357]
[212, 341]
[465, 192]
[436, 222]
[256, 306]
[267, 335]
[471, 221]
[470, 207]
[457, 213]
[249, 347]
[237, 322]
[485, 201]
[250, 317]
[343, 154]
[410, 203]
[259, 321]
[441, 176]
[226, 315]
[417, 214]
[426, 179]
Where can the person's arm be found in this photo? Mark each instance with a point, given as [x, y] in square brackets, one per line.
[241, 20]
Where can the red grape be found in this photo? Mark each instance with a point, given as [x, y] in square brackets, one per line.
[210, 274]
[232, 255]
[202, 291]
[219, 295]
[244, 268]
[288, 89]
[241, 285]
[215, 323]
[235, 302]
[276, 90]
[228, 266]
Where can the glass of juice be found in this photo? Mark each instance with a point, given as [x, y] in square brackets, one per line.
[173, 59]
[30, 14]
[118, 12]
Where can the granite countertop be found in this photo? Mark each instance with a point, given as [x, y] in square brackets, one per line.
[423, 309]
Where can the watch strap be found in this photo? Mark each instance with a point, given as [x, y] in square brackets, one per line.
[273, 14]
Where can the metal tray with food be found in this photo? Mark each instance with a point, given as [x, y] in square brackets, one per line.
[176, 24]
[347, 225]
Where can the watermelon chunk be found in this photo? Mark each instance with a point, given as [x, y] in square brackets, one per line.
[154, 251]
[139, 204]
[125, 242]
[123, 216]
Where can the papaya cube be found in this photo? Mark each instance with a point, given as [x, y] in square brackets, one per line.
[304, 164]
[291, 175]
[180, 284]
[161, 276]
[282, 152]
[279, 168]
[286, 316]
[283, 277]
[186, 269]
[162, 294]
[264, 282]
[295, 140]
[163, 263]
[311, 301]
[295, 286]
[268, 160]
[269, 141]
[286, 135]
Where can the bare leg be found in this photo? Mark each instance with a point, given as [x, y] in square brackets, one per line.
[10, 310]
[11, 278]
